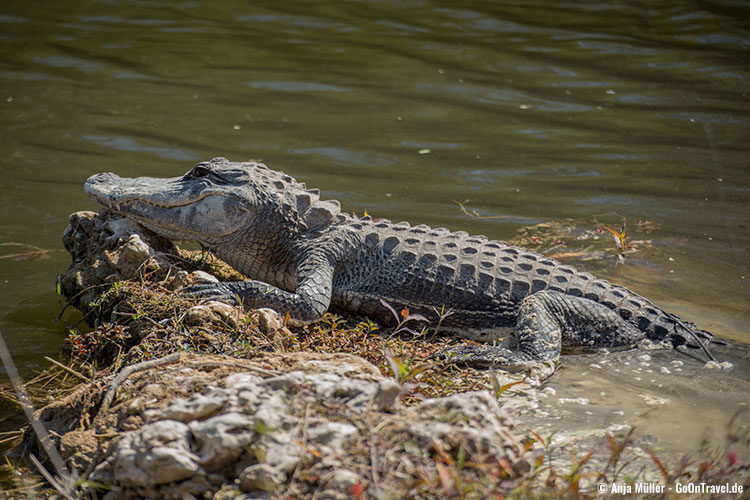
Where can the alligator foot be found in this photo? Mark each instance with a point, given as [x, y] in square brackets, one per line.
[486, 356]
[547, 320]
[223, 292]
[304, 306]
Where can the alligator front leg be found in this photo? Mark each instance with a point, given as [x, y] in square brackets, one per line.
[546, 321]
[305, 305]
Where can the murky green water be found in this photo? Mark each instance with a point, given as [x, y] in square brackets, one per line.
[535, 111]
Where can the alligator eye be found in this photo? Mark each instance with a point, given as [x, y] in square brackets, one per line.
[200, 171]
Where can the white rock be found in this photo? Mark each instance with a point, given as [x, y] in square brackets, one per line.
[261, 477]
[158, 453]
[203, 277]
[273, 413]
[331, 434]
[341, 479]
[281, 451]
[222, 439]
[196, 407]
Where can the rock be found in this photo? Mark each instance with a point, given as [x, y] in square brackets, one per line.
[107, 248]
[214, 312]
[158, 453]
[269, 320]
[310, 424]
[196, 407]
[272, 412]
[133, 254]
[342, 364]
[473, 419]
[221, 439]
[386, 395]
[211, 422]
[197, 277]
[285, 382]
[355, 393]
[79, 447]
[337, 483]
[332, 434]
[261, 477]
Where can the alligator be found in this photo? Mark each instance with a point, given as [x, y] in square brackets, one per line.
[302, 255]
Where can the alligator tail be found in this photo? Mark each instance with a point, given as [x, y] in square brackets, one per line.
[671, 329]
[656, 324]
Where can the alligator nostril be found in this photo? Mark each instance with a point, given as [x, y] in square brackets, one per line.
[94, 183]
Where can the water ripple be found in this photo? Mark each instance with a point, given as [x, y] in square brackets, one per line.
[298, 86]
[127, 144]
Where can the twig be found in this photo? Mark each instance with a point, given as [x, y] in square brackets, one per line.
[34, 252]
[477, 215]
[136, 316]
[36, 424]
[65, 492]
[11, 435]
[373, 456]
[69, 302]
[125, 373]
[695, 337]
[256, 369]
[66, 368]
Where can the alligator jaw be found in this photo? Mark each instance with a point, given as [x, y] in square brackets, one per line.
[113, 191]
[176, 208]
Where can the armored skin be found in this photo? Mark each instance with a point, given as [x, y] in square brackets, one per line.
[303, 256]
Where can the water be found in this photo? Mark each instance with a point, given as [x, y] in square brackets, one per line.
[535, 111]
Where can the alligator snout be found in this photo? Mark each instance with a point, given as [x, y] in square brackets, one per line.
[98, 179]
[104, 188]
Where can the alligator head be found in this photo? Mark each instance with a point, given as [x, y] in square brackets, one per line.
[213, 201]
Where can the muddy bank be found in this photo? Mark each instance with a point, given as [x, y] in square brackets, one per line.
[188, 400]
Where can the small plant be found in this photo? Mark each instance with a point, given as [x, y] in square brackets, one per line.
[404, 373]
[442, 314]
[402, 319]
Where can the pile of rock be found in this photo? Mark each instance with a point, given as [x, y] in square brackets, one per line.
[240, 429]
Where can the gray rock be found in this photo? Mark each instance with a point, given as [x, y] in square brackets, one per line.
[221, 439]
[272, 413]
[281, 451]
[158, 453]
[331, 434]
[196, 407]
[203, 277]
[261, 477]
[357, 394]
[284, 382]
[338, 482]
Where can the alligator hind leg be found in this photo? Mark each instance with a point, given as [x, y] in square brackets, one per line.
[547, 320]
